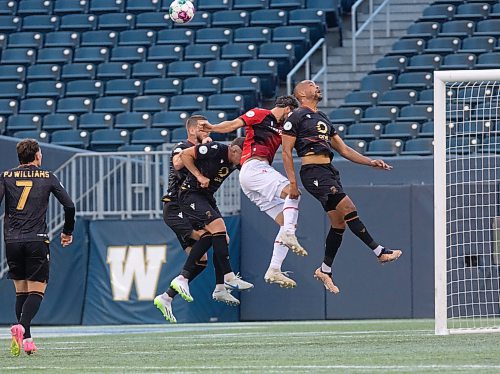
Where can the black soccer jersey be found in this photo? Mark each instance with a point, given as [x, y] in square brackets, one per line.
[212, 161]
[176, 177]
[27, 189]
[313, 131]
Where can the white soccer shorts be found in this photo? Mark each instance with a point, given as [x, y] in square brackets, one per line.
[263, 184]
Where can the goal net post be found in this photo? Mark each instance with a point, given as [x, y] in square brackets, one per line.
[467, 201]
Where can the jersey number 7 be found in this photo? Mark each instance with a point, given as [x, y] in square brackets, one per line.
[24, 195]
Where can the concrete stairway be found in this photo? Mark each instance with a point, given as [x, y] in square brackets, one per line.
[342, 79]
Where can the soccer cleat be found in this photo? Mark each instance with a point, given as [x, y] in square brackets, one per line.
[29, 346]
[225, 296]
[182, 289]
[165, 308]
[327, 280]
[16, 345]
[279, 277]
[289, 240]
[238, 284]
[388, 255]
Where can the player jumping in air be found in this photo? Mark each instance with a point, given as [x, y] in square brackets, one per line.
[172, 214]
[27, 189]
[209, 165]
[263, 184]
[314, 138]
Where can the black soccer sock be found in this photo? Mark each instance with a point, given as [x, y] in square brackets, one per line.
[358, 228]
[20, 299]
[332, 245]
[221, 252]
[219, 273]
[200, 266]
[30, 308]
[199, 249]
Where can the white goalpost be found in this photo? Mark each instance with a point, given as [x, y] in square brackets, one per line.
[467, 201]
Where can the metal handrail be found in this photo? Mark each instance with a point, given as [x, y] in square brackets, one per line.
[369, 22]
[307, 60]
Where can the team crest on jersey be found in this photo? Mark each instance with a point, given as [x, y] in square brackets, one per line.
[203, 149]
[250, 113]
[287, 126]
[209, 214]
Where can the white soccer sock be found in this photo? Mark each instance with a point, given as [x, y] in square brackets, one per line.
[325, 268]
[290, 214]
[279, 252]
[378, 250]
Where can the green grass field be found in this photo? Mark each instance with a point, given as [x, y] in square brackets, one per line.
[402, 346]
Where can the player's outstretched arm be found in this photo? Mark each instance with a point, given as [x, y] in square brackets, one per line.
[69, 210]
[223, 127]
[287, 144]
[350, 154]
[188, 156]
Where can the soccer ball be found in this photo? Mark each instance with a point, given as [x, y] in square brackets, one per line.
[181, 11]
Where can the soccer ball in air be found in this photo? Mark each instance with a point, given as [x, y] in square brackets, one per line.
[181, 11]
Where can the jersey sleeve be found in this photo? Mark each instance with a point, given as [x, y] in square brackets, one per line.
[69, 207]
[333, 130]
[209, 150]
[254, 116]
[291, 126]
[178, 148]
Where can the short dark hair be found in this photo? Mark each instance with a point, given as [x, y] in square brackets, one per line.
[26, 150]
[239, 142]
[286, 101]
[193, 120]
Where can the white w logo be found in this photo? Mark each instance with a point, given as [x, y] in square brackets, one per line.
[125, 266]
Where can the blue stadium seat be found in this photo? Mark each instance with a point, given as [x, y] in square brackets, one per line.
[124, 87]
[141, 6]
[62, 39]
[459, 61]
[230, 19]
[74, 105]
[113, 70]
[489, 60]
[27, 39]
[418, 113]
[391, 64]
[472, 11]
[147, 70]
[112, 104]
[267, 71]
[427, 129]
[462, 145]
[36, 106]
[132, 121]
[247, 86]
[401, 130]
[423, 30]
[201, 52]
[382, 114]
[94, 55]
[84, 87]
[71, 138]
[59, 121]
[399, 97]
[239, 51]
[9, 23]
[362, 99]
[62, 7]
[95, 121]
[187, 103]
[151, 20]
[54, 55]
[253, 34]
[332, 10]
[314, 19]
[170, 119]
[106, 6]
[78, 22]
[115, 21]
[11, 90]
[201, 20]
[128, 54]
[457, 28]
[426, 97]
[108, 139]
[78, 71]
[417, 80]
[384, 147]
[43, 72]
[23, 122]
[165, 53]
[40, 23]
[135, 148]
[282, 53]
[12, 72]
[232, 104]
[175, 36]
[31, 7]
[477, 44]
[22, 56]
[222, 68]
[213, 116]
[150, 136]
[377, 82]
[163, 86]
[201, 85]
[345, 115]
[366, 131]
[407, 47]
[250, 4]
[8, 106]
[40, 136]
[7, 7]
[268, 18]
[143, 38]
[427, 62]
[51, 89]
[438, 12]
[185, 69]
[150, 103]
[214, 35]
[178, 135]
[418, 147]
[298, 35]
[359, 145]
[489, 27]
[444, 46]
[212, 5]
[99, 38]
[286, 4]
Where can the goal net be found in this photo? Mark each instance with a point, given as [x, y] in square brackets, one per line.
[467, 201]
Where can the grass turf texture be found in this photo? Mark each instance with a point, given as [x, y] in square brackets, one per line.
[338, 346]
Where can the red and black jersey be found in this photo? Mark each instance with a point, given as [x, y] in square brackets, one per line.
[263, 134]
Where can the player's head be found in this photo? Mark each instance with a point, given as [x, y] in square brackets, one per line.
[235, 149]
[192, 129]
[283, 106]
[307, 91]
[28, 151]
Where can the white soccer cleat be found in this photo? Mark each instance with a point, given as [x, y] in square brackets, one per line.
[289, 240]
[165, 308]
[182, 289]
[238, 284]
[224, 296]
[279, 277]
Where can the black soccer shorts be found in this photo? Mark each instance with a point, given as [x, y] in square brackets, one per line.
[323, 182]
[180, 225]
[28, 260]
[199, 207]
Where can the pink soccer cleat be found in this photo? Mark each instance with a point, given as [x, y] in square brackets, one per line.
[29, 346]
[16, 345]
